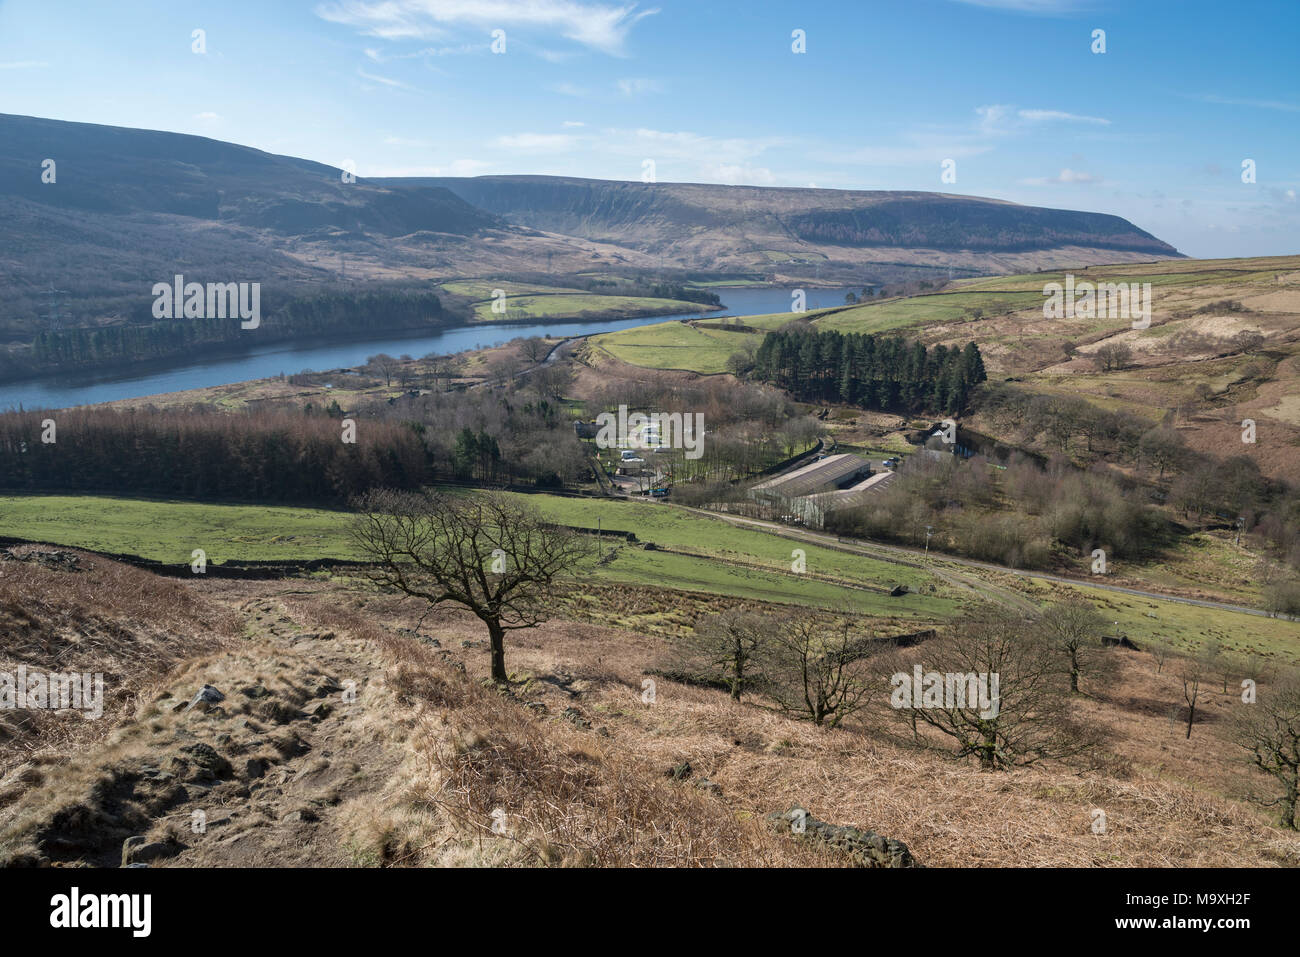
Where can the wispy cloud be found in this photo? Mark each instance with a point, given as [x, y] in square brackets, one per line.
[633, 86]
[1281, 105]
[1042, 7]
[1040, 116]
[1064, 177]
[599, 26]
[538, 142]
[386, 81]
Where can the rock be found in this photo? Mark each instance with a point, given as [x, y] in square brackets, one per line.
[319, 710]
[866, 848]
[205, 699]
[255, 691]
[207, 760]
[679, 772]
[136, 851]
[300, 815]
[704, 784]
[327, 687]
[898, 591]
[538, 706]
[575, 716]
[255, 767]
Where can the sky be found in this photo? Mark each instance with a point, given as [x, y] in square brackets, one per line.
[1013, 98]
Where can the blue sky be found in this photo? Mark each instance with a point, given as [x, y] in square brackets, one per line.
[1155, 129]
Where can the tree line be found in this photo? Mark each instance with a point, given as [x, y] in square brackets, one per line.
[142, 337]
[870, 371]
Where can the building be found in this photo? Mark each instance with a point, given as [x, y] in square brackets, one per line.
[814, 509]
[827, 474]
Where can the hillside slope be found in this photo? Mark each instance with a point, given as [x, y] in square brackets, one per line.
[700, 226]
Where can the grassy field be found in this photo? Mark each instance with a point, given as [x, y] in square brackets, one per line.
[722, 559]
[701, 347]
[899, 314]
[579, 306]
[735, 562]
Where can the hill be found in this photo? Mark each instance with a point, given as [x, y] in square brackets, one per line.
[836, 232]
[96, 215]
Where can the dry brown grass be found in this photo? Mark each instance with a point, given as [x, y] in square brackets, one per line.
[129, 625]
[572, 762]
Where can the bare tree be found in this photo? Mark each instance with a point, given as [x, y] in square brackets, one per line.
[1074, 628]
[1160, 652]
[728, 647]
[384, 365]
[1191, 671]
[1113, 355]
[1030, 718]
[534, 348]
[551, 381]
[1269, 730]
[483, 551]
[818, 668]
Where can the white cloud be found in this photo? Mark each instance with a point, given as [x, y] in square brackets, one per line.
[382, 79]
[570, 89]
[1039, 116]
[1258, 104]
[570, 124]
[538, 142]
[1065, 176]
[207, 117]
[600, 26]
[632, 86]
[23, 65]
[740, 175]
[460, 167]
[1027, 6]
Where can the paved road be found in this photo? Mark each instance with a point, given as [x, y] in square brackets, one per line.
[916, 559]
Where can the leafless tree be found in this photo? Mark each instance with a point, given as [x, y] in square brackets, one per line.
[483, 551]
[1074, 628]
[818, 667]
[534, 348]
[1269, 730]
[1031, 719]
[1191, 672]
[384, 365]
[728, 647]
[1112, 356]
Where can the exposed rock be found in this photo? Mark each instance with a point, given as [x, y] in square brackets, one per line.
[704, 784]
[576, 717]
[898, 591]
[866, 848]
[136, 851]
[205, 699]
[207, 760]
